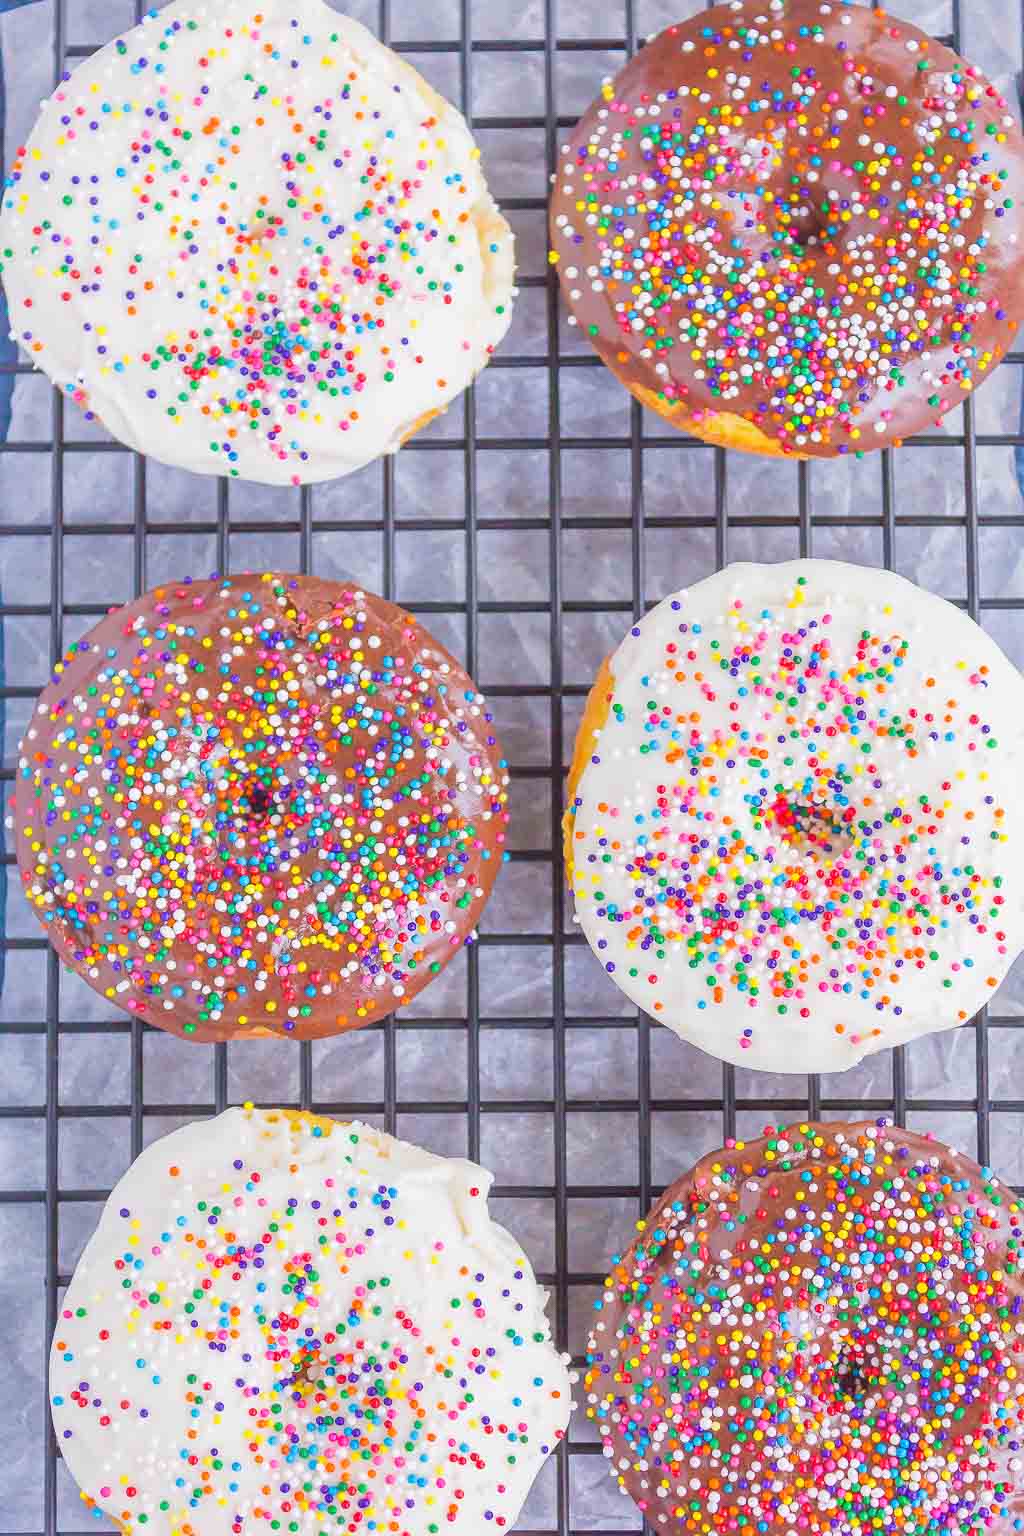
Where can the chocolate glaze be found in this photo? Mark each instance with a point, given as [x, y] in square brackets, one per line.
[358, 795]
[829, 1364]
[735, 190]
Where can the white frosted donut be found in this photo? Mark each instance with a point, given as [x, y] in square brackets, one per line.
[287, 1324]
[795, 827]
[254, 242]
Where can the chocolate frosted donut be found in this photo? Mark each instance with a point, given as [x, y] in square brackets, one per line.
[267, 804]
[820, 1332]
[793, 226]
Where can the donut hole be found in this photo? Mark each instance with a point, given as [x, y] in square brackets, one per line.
[258, 801]
[859, 1371]
[305, 1376]
[785, 224]
[812, 827]
[849, 1378]
[803, 224]
[311, 1374]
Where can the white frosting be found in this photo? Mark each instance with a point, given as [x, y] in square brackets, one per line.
[120, 236]
[894, 908]
[210, 1332]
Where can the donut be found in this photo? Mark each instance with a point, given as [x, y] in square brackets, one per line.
[819, 1332]
[259, 805]
[254, 242]
[283, 1323]
[795, 832]
[794, 227]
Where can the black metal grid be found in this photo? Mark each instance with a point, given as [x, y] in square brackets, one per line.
[640, 446]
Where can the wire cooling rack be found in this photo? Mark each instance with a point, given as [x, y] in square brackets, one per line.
[526, 528]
